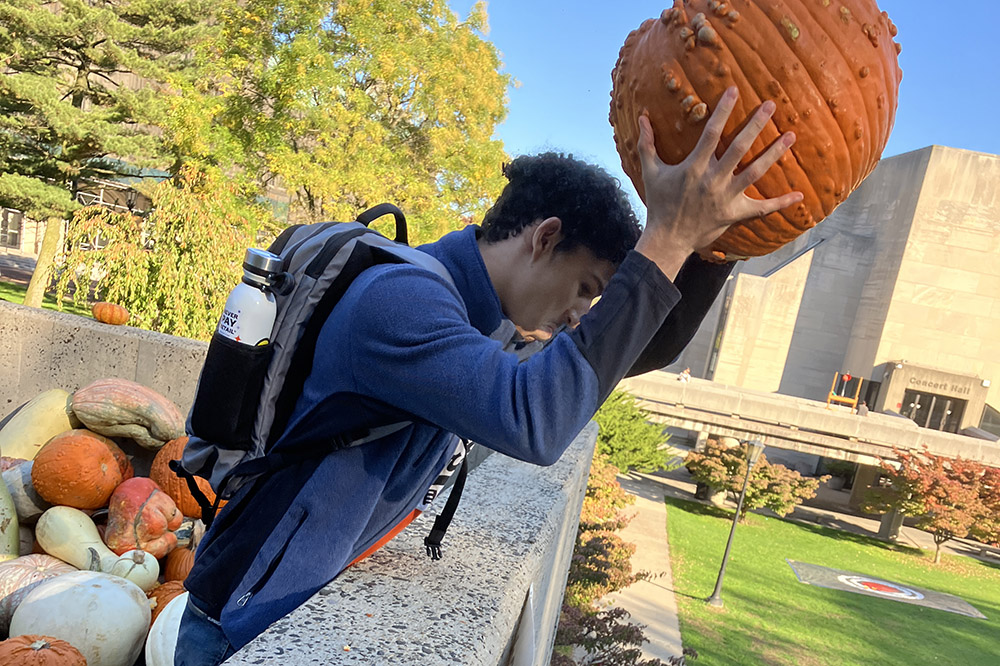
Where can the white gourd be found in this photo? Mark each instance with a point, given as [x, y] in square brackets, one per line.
[162, 639]
[10, 537]
[105, 617]
[71, 535]
[139, 567]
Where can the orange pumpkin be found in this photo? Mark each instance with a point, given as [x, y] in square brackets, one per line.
[77, 469]
[163, 595]
[830, 67]
[109, 313]
[33, 650]
[179, 563]
[175, 486]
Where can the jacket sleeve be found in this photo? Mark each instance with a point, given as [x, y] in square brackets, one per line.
[699, 283]
[412, 347]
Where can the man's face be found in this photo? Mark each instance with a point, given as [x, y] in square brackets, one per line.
[557, 288]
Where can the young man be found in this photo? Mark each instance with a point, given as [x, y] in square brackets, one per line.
[403, 344]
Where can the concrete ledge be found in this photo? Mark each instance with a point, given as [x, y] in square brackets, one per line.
[513, 533]
[42, 349]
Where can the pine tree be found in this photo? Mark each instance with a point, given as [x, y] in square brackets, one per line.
[82, 95]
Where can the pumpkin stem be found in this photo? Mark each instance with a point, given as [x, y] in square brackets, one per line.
[40, 644]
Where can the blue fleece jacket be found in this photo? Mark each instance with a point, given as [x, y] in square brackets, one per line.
[403, 344]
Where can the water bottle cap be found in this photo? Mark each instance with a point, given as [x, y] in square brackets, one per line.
[261, 262]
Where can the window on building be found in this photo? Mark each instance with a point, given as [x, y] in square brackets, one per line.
[991, 420]
[10, 228]
[929, 410]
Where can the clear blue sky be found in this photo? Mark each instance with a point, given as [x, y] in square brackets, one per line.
[561, 52]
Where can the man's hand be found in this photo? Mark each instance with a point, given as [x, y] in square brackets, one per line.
[690, 204]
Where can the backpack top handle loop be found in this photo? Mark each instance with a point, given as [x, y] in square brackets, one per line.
[378, 211]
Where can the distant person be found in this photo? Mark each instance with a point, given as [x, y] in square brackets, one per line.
[863, 409]
[685, 375]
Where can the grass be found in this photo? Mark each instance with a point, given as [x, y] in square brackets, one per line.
[771, 618]
[15, 294]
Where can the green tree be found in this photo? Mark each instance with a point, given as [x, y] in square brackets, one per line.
[70, 108]
[351, 103]
[173, 269]
[628, 439]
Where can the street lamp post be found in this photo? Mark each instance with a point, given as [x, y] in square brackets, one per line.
[754, 449]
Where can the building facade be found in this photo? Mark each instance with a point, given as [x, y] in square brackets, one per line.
[899, 286]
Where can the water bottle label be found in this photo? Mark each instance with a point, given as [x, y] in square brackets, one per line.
[229, 326]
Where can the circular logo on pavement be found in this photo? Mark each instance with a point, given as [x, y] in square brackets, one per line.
[880, 587]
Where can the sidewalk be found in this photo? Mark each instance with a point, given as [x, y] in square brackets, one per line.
[650, 602]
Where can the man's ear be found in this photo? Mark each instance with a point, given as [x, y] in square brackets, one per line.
[545, 236]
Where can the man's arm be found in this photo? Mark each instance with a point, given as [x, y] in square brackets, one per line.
[699, 283]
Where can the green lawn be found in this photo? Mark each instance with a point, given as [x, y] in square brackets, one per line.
[15, 294]
[771, 618]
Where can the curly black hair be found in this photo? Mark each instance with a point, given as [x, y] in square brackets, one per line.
[594, 211]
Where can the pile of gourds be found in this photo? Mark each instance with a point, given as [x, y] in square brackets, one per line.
[85, 543]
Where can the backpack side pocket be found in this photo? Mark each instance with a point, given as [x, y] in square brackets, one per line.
[225, 406]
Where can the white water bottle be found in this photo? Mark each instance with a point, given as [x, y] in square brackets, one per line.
[250, 309]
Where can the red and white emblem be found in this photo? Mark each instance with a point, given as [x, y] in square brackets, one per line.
[880, 587]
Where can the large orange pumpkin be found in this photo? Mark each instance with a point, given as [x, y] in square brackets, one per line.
[175, 486]
[77, 468]
[32, 650]
[830, 67]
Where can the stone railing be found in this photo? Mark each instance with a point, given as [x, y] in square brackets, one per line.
[493, 599]
[41, 349]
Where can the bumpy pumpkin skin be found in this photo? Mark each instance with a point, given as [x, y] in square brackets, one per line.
[109, 313]
[830, 67]
[175, 486]
[122, 408]
[141, 516]
[33, 650]
[77, 469]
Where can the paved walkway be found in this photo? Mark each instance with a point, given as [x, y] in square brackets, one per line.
[652, 603]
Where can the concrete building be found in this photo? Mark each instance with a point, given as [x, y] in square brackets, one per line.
[900, 287]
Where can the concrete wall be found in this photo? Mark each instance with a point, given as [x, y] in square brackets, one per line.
[41, 349]
[945, 308]
[759, 326]
[511, 539]
[513, 533]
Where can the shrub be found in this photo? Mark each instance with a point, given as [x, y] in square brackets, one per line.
[627, 439]
[601, 564]
[950, 497]
[771, 485]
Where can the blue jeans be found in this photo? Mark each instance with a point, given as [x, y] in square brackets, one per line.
[200, 640]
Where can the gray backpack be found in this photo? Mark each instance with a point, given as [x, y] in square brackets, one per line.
[246, 394]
